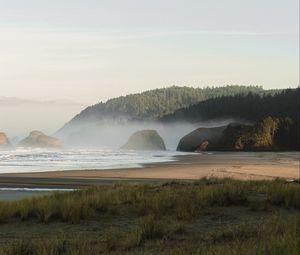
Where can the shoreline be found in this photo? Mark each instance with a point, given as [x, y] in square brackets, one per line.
[236, 165]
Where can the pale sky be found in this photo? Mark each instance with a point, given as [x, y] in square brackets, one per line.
[91, 50]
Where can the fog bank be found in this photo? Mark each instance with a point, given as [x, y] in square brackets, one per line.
[111, 134]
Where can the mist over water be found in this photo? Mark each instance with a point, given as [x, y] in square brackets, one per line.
[113, 134]
[95, 146]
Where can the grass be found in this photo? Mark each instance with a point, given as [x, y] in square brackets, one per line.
[209, 216]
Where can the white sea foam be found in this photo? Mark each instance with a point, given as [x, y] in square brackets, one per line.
[41, 160]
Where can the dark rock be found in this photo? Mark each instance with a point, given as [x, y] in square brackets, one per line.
[40, 140]
[145, 140]
[201, 139]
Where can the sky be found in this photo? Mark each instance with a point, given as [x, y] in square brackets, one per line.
[86, 51]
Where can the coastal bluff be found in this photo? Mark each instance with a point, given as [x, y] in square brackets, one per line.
[145, 140]
[37, 139]
[268, 134]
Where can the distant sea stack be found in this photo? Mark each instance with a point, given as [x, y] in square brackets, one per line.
[38, 139]
[201, 139]
[4, 142]
[145, 140]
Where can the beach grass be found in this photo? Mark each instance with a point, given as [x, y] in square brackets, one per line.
[209, 216]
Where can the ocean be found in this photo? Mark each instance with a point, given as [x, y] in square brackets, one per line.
[41, 160]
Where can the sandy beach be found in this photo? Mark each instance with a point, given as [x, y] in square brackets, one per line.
[241, 165]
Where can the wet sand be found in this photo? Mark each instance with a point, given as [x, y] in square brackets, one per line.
[237, 165]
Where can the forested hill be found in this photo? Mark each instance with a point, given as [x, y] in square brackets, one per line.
[154, 104]
[243, 106]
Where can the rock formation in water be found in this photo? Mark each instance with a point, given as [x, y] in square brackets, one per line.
[268, 134]
[145, 140]
[201, 139]
[40, 140]
[4, 142]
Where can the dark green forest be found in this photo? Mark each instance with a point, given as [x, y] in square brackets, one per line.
[154, 104]
[249, 106]
[273, 114]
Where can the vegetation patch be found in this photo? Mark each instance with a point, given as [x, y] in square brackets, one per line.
[209, 216]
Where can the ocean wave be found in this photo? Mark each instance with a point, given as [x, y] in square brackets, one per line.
[42, 160]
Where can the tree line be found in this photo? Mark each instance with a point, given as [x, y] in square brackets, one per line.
[248, 106]
[155, 104]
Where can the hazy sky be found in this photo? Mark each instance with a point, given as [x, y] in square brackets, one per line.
[90, 50]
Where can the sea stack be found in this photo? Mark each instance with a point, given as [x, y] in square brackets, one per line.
[4, 142]
[201, 139]
[37, 139]
[145, 140]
